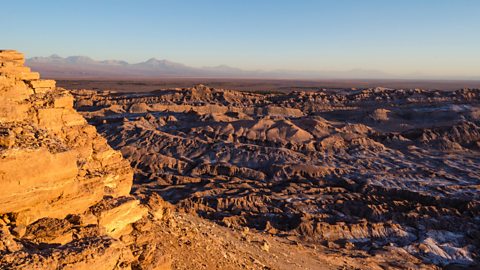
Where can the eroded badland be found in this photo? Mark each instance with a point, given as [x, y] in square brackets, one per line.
[204, 178]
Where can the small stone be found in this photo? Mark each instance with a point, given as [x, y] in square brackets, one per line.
[349, 245]
[7, 138]
[265, 246]
[19, 231]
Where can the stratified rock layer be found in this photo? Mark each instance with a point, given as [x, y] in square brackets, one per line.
[64, 197]
[52, 163]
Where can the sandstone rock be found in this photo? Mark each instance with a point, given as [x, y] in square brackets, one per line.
[63, 101]
[14, 70]
[7, 241]
[11, 56]
[42, 86]
[62, 175]
[160, 209]
[117, 215]
[87, 253]
[49, 230]
[64, 188]
[7, 138]
[26, 76]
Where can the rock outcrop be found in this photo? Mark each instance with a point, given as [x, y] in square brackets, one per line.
[64, 201]
[53, 163]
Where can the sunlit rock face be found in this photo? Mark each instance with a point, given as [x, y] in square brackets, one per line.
[52, 162]
[64, 196]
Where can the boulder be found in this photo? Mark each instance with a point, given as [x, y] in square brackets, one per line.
[116, 216]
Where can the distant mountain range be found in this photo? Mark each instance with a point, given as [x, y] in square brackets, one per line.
[83, 67]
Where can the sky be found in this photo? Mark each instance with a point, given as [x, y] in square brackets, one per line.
[401, 37]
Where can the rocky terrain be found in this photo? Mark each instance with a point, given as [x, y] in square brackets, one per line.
[203, 178]
[66, 199]
[65, 191]
[385, 178]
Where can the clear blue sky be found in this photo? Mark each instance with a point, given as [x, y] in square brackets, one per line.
[434, 37]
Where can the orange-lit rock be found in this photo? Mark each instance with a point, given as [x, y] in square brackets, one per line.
[55, 168]
[52, 163]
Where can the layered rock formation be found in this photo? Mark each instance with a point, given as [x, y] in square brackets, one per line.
[64, 200]
[52, 162]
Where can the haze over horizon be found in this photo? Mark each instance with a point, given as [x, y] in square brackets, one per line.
[408, 38]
